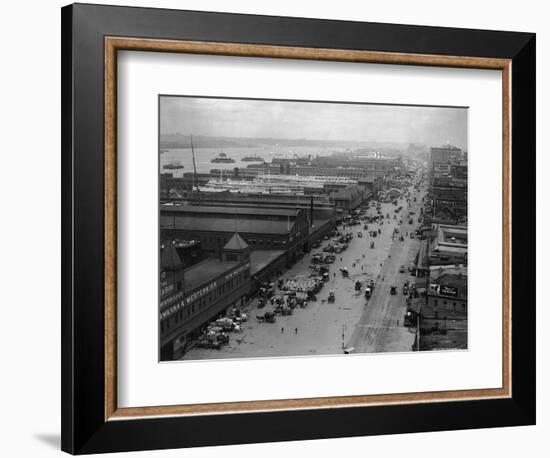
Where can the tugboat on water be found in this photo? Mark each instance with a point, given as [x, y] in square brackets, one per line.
[174, 165]
[223, 159]
[253, 159]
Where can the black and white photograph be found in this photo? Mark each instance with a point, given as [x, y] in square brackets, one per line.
[305, 228]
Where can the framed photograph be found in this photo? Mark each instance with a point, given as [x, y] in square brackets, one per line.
[284, 228]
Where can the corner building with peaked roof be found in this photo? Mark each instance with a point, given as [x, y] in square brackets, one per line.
[192, 297]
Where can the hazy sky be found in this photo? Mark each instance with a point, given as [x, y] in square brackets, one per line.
[314, 121]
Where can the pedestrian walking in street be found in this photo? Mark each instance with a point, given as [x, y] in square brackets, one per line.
[296, 331]
[282, 330]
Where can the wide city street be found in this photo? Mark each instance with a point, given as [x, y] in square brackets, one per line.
[351, 322]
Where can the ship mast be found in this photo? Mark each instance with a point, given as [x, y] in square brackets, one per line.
[195, 185]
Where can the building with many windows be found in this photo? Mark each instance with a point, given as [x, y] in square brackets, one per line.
[444, 245]
[449, 245]
[448, 291]
[446, 154]
[192, 297]
[444, 315]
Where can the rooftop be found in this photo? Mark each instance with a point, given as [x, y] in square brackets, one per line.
[449, 236]
[235, 243]
[227, 224]
[446, 148]
[204, 272]
[450, 285]
[251, 198]
[453, 269]
[231, 210]
[450, 194]
[453, 279]
[447, 248]
[259, 259]
[169, 258]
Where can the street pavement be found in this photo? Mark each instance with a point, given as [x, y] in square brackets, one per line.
[380, 328]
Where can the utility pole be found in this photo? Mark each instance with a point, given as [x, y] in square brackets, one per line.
[343, 336]
[418, 328]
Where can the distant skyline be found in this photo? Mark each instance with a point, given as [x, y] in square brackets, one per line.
[432, 126]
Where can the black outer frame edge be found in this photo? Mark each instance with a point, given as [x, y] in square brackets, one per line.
[161, 23]
[174, 432]
[523, 133]
[83, 427]
[67, 412]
